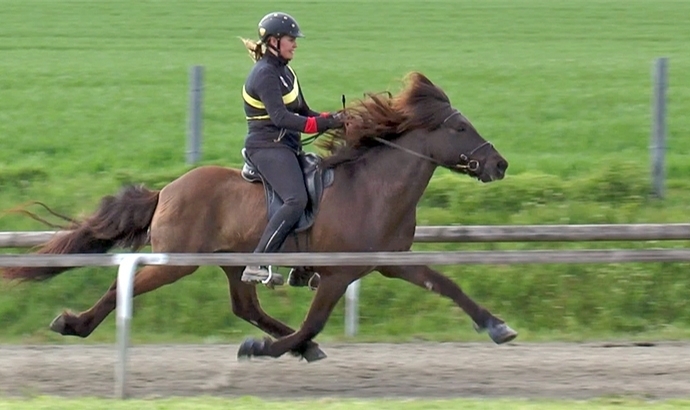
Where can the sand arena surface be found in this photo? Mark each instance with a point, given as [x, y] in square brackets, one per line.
[427, 370]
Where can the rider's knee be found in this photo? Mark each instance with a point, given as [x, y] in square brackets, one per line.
[298, 201]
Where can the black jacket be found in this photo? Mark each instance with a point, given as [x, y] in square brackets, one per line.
[274, 105]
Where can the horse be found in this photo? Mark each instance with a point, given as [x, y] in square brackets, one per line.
[382, 160]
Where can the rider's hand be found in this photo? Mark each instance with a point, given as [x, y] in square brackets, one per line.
[327, 121]
[339, 115]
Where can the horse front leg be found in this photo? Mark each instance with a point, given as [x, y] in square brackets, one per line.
[245, 305]
[434, 281]
[330, 290]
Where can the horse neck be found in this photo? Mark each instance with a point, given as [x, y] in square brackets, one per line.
[397, 174]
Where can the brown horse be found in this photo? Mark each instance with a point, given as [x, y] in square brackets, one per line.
[383, 160]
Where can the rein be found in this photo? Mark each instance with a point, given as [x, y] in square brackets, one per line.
[465, 165]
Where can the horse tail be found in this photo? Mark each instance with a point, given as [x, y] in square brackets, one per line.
[122, 220]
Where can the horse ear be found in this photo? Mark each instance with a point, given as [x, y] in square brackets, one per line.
[419, 78]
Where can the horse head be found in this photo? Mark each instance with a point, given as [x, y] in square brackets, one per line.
[423, 110]
[458, 146]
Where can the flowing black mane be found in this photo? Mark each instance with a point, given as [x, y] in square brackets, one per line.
[420, 105]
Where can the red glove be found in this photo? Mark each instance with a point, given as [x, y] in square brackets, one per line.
[324, 122]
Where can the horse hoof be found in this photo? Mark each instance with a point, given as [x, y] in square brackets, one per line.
[498, 332]
[313, 354]
[502, 333]
[58, 325]
[249, 348]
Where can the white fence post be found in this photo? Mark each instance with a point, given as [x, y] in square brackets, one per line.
[125, 293]
[658, 143]
[352, 309]
[194, 126]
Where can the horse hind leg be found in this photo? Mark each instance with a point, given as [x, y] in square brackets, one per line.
[147, 279]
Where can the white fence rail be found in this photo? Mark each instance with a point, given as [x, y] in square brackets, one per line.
[368, 258]
[476, 233]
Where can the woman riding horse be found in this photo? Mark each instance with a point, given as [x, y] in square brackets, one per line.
[276, 113]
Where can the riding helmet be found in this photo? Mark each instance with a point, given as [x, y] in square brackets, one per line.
[278, 24]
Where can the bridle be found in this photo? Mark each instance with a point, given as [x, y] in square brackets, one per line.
[466, 165]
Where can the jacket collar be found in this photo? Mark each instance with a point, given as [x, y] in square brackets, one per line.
[275, 60]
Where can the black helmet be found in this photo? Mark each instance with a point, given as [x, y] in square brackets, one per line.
[278, 24]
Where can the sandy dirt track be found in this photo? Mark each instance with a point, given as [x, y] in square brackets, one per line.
[429, 370]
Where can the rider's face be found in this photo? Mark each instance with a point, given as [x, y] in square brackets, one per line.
[288, 44]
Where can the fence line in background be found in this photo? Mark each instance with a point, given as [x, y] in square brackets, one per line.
[553, 233]
[475, 233]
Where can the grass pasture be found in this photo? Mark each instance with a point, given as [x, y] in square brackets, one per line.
[93, 95]
[99, 89]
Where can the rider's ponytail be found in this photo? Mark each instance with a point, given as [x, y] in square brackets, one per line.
[255, 48]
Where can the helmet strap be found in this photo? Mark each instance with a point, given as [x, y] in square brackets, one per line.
[276, 48]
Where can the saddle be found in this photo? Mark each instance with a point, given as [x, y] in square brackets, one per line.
[316, 180]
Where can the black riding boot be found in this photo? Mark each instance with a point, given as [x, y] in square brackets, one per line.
[271, 241]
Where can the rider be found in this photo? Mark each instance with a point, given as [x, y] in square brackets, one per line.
[276, 114]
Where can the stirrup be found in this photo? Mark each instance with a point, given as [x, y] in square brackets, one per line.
[311, 279]
[270, 275]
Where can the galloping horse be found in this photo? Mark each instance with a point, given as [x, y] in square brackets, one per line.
[382, 161]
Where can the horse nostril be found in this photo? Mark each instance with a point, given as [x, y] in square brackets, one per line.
[502, 165]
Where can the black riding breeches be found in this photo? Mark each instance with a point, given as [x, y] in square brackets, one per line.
[280, 167]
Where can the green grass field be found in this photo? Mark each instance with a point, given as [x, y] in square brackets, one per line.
[99, 89]
[256, 404]
[94, 95]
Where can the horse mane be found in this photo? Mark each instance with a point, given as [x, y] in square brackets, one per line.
[419, 105]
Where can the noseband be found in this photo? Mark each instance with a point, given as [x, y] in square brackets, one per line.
[465, 165]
